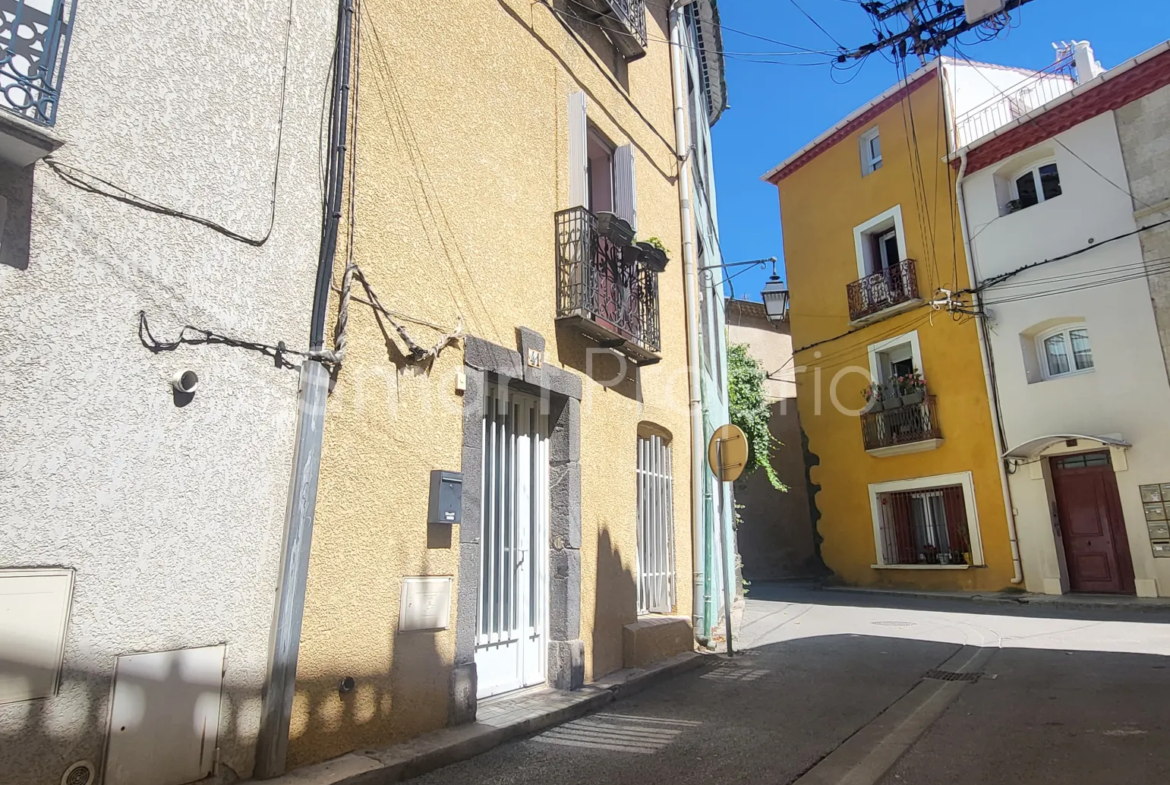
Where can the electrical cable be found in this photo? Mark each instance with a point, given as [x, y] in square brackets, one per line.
[85, 181]
[815, 22]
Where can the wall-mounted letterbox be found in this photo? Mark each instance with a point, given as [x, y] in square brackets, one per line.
[446, 497]
[1156, 505]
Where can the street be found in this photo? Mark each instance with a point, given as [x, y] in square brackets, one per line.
[1068, 696]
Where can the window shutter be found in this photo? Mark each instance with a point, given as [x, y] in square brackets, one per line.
[578, 151]
[625, 198]
[956, 510]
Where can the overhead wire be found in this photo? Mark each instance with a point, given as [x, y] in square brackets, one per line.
[91, 183]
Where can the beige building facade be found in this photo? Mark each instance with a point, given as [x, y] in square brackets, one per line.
[497, 332]
[776, 536]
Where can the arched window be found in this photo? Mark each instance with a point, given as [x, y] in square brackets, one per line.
[1064, 350]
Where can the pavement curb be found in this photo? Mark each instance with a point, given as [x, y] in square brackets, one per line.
[441, 748]
[1128, 604]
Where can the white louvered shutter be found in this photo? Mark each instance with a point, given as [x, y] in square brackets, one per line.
[625, 194]
[578, 151]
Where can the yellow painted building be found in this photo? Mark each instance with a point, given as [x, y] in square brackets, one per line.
[910, 491]
[491, 335]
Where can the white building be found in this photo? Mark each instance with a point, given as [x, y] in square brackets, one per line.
[141, 529]
[1072, 343]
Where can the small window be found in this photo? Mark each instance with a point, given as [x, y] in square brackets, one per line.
[1084, 461]
[871, 151]
[924, 526]
[655, 525]
[1065, 351]
[1038, 184]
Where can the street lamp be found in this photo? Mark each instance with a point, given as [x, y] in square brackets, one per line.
[775, 296]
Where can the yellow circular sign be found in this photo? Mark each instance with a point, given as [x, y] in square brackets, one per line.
[727, 452]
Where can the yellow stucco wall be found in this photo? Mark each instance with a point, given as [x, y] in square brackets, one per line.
[462, 161]
[821, 203]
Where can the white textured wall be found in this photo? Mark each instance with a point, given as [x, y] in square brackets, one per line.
[172, 517]
[1127, 394]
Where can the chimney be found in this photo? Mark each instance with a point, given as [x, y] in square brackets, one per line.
[1086, 62]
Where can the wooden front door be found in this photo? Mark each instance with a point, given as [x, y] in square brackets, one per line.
[1091, 525]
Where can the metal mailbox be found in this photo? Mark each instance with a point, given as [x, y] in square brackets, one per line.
[446, 504]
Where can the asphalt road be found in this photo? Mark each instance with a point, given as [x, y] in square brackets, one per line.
[1066, 696]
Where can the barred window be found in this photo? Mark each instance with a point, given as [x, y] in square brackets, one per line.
[924, 526]
[655, 526]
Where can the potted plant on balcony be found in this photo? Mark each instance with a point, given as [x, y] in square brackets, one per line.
[873, 396]
[911, 388]
[654, 254]
[615, 228]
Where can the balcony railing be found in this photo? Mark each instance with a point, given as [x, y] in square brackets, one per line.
[1031, 93]
[34, 41]
[614, 301]
[624, 19]
[885, 289]
[908, 424]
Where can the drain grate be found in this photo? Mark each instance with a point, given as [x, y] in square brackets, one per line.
[952, 675]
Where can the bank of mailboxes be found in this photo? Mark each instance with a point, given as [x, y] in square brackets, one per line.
[1156, 502]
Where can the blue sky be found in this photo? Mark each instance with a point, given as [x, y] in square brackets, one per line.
[777, 109]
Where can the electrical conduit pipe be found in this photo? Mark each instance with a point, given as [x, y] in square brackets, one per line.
[691, 299]
[1017, 566]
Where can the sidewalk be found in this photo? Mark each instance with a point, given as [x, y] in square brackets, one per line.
[498, 721]
[1067, 601]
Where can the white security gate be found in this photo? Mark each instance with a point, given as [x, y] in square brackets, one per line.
[655, 526]
[511, 649]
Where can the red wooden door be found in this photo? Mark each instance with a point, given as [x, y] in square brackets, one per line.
[1091, 524]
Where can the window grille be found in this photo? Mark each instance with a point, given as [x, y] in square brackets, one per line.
[655, 526]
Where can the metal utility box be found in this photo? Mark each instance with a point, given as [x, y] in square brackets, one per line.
[446, 497]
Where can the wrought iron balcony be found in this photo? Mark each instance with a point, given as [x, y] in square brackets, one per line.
[1028, 95]
[624, 20]
[883, 290]
[613, 300]
[911, 427]
[34, 42]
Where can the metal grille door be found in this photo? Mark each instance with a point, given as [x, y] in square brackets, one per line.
[513, 565]
[655, 527]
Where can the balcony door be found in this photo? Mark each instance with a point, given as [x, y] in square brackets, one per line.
[511, 639]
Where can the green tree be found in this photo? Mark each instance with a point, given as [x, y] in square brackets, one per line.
[749, 410]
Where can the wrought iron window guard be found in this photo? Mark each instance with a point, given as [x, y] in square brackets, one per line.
[33, 46]
[884, 289]
[613, 300]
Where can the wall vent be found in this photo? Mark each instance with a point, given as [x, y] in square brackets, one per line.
[80, 773]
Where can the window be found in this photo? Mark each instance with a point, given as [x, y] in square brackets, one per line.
[1065, 351]
[1038, 184]
[880, 242]
[871, 151]
[895, 357]
[926, 526]
[655, 525]
[599, 175]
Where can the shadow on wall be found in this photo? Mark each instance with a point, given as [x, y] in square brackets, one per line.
[615, 605]
[776, 536]
[16, 192]
[40, 739]
[407, 700]
[611, 371]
